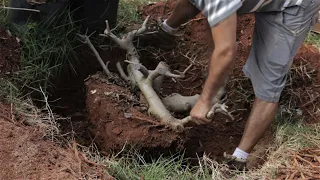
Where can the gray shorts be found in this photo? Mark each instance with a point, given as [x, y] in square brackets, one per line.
[276, 40]
[277, 37]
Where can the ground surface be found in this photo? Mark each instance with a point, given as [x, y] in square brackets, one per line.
[24, 154]
[118, 123]
[119, 117]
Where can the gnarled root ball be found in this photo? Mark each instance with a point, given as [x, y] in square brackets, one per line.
[117, 123]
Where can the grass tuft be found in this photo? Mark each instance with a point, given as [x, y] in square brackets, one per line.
[47, 47]
[313, 39]
[133, 166]
[128, 11]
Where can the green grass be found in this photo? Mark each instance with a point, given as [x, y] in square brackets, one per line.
[313, 39]
[291, 134]
[132, 166]
[47, 48]
[298, 135]
[128, 11]
[8, 91]
[135, 167]
[3, 17]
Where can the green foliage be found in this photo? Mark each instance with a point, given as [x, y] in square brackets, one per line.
[3, 17]
[47, 48]
[134, 167]
[298, 135]
[128, 11]
[314, 39]
[8, 91]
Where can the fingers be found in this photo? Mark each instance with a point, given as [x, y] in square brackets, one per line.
[200, 120]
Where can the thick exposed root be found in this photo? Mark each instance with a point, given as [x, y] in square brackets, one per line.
[150, 81]
[180, 104]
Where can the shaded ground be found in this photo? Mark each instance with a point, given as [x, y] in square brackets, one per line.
[9, 53]
[25, 155]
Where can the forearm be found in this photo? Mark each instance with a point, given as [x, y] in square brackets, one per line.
[224, 37]
[219, 67]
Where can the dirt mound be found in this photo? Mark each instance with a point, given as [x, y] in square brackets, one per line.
[25, 155]
[9, 53]
[118, 120]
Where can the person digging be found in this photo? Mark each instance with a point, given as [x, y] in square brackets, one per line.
[280, 29]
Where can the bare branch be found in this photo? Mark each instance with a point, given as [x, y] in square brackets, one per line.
[129, 36]
[126, 41]
[131, 76]
[185, 71]
[107, 33]
[143, 27]
[157, 83]
[178, 125]
[86, 40]
[139, 67]
[19, 9]
[180, 104]
[163, 69]
[121, 72]
[220, 108]
[146, 81]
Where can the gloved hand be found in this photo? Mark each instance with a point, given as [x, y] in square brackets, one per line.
[156, 36]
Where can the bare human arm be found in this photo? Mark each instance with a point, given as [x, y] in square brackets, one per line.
[222, 60]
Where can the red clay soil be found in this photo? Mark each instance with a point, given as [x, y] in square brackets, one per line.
[220, 135]
[9, 53]
[107, 105]
[25, 155]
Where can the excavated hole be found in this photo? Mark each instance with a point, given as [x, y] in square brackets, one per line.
[97, 111]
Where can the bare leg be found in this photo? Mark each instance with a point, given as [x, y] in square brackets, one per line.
[259, 121]
[183, 11]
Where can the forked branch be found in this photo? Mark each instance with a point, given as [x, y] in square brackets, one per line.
[163, 69]
[85, 39]
[147, 80]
